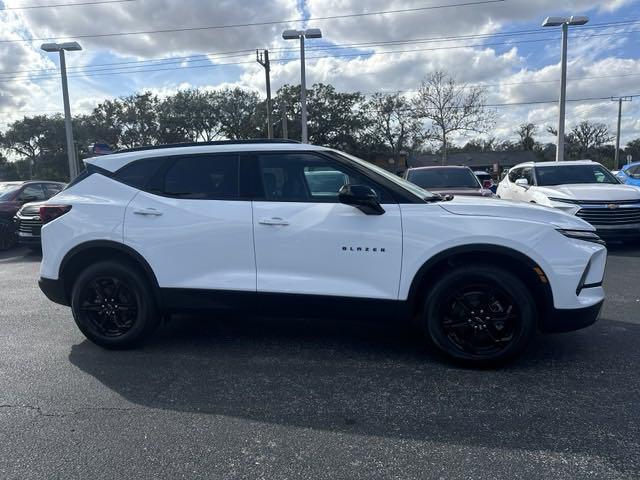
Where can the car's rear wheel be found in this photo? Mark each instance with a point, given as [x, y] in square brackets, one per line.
[8, 238]
[480, 315]
[113, 305]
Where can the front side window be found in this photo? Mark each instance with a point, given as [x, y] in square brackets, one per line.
[634, 172]
[527, 174]
[514, 174]
[304, 177]
[203, 177]
[32, 193]
[573, 174]
[435, 178]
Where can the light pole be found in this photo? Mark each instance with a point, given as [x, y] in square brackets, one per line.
[564, 22]
[71, 151]
[301, 35]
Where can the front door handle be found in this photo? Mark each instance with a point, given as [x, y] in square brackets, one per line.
[148, 212]
[273, 221]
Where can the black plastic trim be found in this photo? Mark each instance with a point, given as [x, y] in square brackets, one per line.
[54, 290]
[567, 320]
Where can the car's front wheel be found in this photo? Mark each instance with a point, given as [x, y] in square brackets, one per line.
[480, 315]
[113, 305]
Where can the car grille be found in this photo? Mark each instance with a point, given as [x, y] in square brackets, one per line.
[30, 225]
[610, 216]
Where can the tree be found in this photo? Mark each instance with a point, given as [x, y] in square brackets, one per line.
[190, 116]
[451, 108]
[391, 124]
[526, 131]
[633, 149]
[240, 114]
[589, 135]
[8, 170]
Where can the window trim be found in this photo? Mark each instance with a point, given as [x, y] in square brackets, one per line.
[259, 194]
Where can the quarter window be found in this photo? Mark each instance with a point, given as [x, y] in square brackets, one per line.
[203, 177]
[303, 177]
[137, 174]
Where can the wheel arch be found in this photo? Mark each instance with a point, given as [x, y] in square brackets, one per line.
[512, 260]
[98, 250]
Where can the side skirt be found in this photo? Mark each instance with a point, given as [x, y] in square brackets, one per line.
[177, 300]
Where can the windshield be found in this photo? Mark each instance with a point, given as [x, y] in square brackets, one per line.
[7, 190]
[415, 189]
[571, 174]
[435, 178]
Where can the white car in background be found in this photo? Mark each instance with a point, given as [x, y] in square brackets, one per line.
[582, 188]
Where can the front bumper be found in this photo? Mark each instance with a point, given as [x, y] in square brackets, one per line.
[54, 290]
[566, 320]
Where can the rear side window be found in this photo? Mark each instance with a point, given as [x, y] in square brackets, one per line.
[203, 177]
[137, 174]
[52, 189]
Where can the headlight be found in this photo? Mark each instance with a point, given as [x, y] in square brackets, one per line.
[567, 206]
[585, 235]
[563, 200]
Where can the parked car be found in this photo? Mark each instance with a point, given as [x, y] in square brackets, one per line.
[630, 174]
[13, 195]
[235, 225]
[28, 225]
[448, 181]
[486, 180]
[582, 188]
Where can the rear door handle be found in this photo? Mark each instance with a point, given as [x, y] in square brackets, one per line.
[273, 221]
[148, 212]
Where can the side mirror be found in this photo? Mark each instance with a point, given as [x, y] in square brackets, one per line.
[522, 182]
[361, 197]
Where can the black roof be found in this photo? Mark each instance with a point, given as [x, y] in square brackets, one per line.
[200, 144]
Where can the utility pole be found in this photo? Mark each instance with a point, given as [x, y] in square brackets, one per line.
[616, 161]
[263, 59]
[285, 129]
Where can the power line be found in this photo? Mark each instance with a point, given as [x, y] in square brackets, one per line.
[255, 24]
[56, 5]
[111, 71]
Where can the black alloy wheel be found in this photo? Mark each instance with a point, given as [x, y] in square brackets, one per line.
[113, 305]
[480, 315]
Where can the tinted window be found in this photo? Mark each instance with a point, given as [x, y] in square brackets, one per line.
[571, 174]
[32, 193]
[203, 177]
[434, 178]
[304, 177]
[138, 173]
[634, 172]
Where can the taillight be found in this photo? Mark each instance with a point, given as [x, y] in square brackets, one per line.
[51, 212]
[487, 184]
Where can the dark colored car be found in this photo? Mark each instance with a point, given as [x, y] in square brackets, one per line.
[448, 181]
[13, 195]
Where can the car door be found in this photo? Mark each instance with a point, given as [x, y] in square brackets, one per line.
[508, 189]
[307, 242]
[192, 227]
[525, 194]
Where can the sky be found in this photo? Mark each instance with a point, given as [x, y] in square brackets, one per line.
[167, 45]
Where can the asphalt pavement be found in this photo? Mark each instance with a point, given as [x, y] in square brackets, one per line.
[271, 398]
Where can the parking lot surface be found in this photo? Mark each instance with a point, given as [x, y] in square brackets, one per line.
[272, 398]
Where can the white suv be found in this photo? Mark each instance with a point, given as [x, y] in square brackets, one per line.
[580, 187]
[253, 226]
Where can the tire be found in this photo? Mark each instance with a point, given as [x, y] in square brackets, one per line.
[113, 305]
[8, 238]
[480, 315]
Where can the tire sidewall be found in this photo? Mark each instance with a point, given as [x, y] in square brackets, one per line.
[505, 280]
[146, 320]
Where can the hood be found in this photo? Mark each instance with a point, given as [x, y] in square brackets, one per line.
[474, 192]
[32, 208]
[490, 207]
[592, 191]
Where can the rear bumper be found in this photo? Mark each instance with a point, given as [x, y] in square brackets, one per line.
[54, 290]
[567, 320]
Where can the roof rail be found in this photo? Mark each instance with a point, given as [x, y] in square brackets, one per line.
[201, 144]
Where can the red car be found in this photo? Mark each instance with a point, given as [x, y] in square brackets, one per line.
[448, 181]
[14, 195]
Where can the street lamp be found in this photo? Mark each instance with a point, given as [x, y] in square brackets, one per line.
[564, 22]
[61, 47]
[295, 35]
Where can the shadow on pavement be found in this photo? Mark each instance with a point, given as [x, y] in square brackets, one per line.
[20, 254]
[575, 392]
